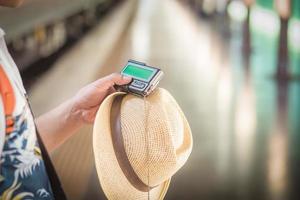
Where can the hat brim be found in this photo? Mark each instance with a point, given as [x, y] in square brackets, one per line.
[113, 182]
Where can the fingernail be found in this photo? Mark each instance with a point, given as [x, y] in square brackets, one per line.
[126, 78]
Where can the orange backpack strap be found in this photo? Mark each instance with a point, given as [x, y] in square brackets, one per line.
[8, 98]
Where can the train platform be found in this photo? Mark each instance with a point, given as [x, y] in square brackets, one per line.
[245, 123]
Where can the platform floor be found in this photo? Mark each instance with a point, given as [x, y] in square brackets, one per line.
[245, 125]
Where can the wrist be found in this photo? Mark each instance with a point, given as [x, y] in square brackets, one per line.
[74, 116]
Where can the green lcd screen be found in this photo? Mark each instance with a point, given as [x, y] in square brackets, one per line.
[138, 72]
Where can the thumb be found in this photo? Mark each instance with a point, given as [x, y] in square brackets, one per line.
[118, 79]
[112, 80]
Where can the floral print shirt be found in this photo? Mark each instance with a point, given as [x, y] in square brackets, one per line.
[22, 170]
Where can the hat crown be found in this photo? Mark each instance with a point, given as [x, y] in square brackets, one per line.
[156, 136]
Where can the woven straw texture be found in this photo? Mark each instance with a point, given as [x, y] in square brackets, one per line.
[168, 138]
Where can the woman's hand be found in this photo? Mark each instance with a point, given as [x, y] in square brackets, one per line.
[60, 123]
[89, 98]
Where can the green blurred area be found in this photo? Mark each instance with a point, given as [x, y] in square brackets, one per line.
[269, 4]
[296, 9]
[265, 26]
[264, 58]
[294, 66]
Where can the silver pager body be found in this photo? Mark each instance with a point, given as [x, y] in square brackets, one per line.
[144, 78]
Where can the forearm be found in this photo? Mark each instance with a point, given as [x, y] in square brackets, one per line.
[58, 125]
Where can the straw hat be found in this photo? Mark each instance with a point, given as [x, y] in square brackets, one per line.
[131, 161]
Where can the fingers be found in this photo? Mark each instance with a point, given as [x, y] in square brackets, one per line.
[118, 79]
[111, 90]
[113, 79]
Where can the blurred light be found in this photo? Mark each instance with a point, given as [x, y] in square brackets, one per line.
[224, 106]
[294, 34]
[245, 115]
[245, 129]
[140, 41]
[265, 21]
[208, 6]
[197, 45]
[224, 89]
[237, 10]
[277, 164]
[283, 8]
[141, 31]
[221, 5]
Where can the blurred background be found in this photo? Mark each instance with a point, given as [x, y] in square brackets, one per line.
[232, 65]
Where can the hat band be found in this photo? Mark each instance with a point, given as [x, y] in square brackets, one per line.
[119, 148]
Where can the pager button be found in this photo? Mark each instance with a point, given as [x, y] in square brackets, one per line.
[138, 84]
